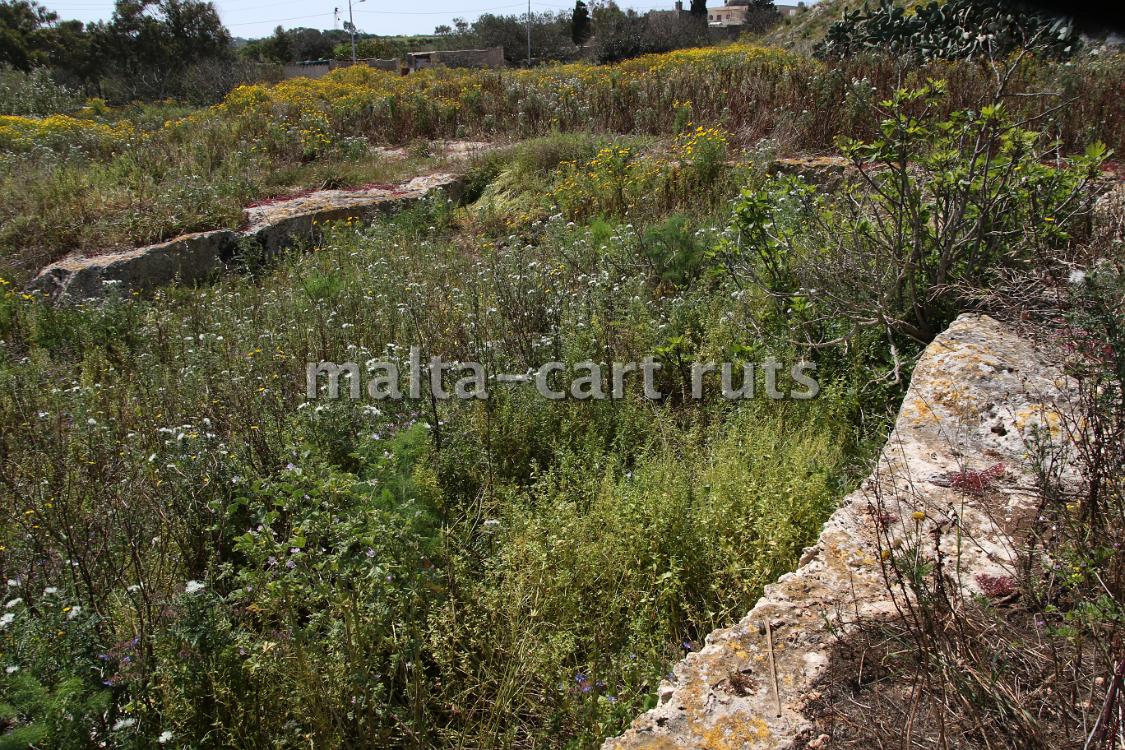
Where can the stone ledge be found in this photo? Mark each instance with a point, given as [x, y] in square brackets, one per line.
[978, 394]
[199, 257]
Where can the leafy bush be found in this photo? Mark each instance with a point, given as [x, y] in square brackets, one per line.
[34, 93]
[953, 30]
[623, 181]
[937, 207]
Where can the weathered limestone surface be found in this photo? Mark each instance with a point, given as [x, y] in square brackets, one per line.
[198, 257]
[189, 259]
[978, 394]
[825, 171]
[278, 224]
[449, 149]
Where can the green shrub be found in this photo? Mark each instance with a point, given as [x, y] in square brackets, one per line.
[937, 207]
[34, 93]
[953, 30]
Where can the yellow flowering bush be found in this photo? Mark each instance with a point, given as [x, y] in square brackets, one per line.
[634, 96]
[61, 132]
[620, 181]
[704, 150]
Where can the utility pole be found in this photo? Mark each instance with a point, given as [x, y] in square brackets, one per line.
[351, 23]
[529, 33]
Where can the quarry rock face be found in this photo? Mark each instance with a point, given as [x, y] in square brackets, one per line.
[198, 257]
[980, 396]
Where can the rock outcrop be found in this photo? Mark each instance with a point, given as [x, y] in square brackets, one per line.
[198, 257]
[978, 397]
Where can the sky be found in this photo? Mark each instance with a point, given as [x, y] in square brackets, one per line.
[256, 18]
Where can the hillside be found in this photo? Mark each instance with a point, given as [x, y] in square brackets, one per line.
[478, 408]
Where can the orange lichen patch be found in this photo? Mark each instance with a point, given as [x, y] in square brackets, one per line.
[1040, 415]
[921, 412]
[734, 731]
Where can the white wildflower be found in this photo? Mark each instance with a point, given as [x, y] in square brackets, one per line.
[13, 603]
[194, 587]
[123, 724]
[165, 737]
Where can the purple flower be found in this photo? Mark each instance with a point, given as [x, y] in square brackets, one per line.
[370, 552]
[271, 561]
[291, 564]
[687, 646]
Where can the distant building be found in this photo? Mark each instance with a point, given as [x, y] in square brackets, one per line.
[736, 13]
[320, 68]
[493, 57]
[727, 15]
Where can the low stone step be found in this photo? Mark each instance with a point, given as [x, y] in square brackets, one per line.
[199, 257]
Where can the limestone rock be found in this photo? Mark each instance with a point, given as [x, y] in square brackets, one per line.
[195, 258]
[189, 259]
[979, 395]
[824, 171]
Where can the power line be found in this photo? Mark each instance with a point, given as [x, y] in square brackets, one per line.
[436, 12]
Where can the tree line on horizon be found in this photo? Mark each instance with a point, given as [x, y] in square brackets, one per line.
[157, 49]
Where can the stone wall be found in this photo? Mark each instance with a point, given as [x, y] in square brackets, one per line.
[324, 67]
[493, 57]
[306, 70]
[977, 396]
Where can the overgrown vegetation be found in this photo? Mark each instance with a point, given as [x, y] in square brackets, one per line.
[256, 569]
[80, 182]
[195, 554]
